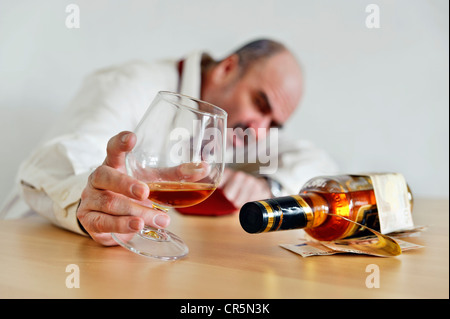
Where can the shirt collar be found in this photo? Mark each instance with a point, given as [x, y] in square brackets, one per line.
[190, 82]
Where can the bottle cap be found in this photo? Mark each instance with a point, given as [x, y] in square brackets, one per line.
[273, 214]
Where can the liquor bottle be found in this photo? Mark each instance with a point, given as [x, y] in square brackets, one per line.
[322, 202]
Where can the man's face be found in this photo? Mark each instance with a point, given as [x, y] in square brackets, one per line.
[264, 97]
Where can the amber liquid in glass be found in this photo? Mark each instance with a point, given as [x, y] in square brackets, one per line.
[179, 194]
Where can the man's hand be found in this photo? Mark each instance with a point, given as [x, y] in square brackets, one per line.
[115, 202]
[240, 187]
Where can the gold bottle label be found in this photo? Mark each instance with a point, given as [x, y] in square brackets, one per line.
[366, 216]
[288, 212]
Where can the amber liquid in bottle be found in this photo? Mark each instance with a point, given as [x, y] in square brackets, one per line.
[176, 194]
[359, 206]
[317, 209]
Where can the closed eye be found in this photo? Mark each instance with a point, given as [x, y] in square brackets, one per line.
[262, 102]
[264, 106]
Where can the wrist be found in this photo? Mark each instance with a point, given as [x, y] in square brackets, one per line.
[78, 220]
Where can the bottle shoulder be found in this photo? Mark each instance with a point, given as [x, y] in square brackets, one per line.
[338, 184]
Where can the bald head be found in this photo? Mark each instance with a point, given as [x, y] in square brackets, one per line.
[283, 76]
[257, 51]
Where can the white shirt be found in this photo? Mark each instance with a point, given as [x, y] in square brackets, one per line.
[113, 100]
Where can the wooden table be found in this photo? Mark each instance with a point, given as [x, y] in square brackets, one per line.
[224, 262]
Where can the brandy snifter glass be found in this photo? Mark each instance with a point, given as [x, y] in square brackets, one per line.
[179, 154]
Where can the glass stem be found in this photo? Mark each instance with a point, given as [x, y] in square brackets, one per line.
[155, 233]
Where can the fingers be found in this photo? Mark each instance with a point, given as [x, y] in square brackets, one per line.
[233, 187]
[239, 188]
[108, 178]
[108, 202]
[112, 201]
[101, 226]
[101, 223]
[103, 212]
[226, 176]
[111, 192]
[117, 148]
[106, 239]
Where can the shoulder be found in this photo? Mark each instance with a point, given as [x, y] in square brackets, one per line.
[136, 73]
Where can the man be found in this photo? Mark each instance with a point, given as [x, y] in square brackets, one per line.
[71, 180]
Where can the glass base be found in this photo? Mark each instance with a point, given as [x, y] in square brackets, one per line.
[156, 243]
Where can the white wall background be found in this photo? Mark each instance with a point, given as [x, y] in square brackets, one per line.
[376, 99]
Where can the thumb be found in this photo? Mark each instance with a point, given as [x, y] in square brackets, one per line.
[117, 148]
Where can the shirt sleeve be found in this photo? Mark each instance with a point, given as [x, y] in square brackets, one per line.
[53, 177]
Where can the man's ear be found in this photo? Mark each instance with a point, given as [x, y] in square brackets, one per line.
[226, 69]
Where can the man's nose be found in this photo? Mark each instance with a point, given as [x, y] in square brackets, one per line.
[261, 126]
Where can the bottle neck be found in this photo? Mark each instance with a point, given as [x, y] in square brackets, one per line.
[315, 207]
[282, 213]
